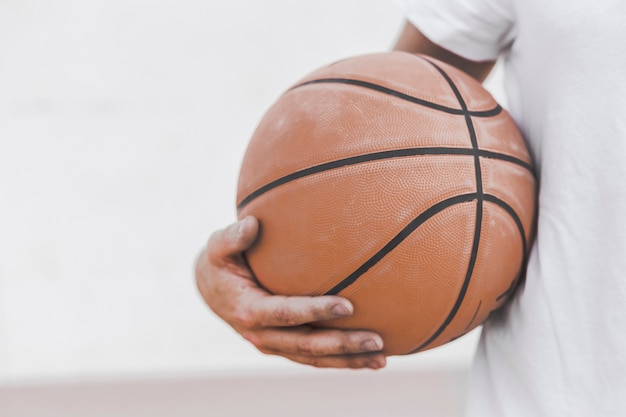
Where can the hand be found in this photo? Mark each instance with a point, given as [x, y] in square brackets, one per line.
[275, 324]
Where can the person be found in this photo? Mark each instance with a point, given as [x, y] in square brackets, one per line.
[558, 346]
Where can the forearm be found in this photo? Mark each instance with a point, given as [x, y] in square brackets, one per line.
[412, 40]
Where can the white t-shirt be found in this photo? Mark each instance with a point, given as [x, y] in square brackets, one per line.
[559, 348]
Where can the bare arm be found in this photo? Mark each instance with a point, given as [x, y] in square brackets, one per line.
[412, 40]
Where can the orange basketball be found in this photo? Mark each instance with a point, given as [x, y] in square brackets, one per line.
[398, 182]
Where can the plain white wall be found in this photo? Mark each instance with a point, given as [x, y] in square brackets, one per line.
[122, 125]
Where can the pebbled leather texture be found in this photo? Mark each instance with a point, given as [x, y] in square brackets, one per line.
[396, 181]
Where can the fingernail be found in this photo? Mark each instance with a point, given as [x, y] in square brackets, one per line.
[340, 310]
[371, 345]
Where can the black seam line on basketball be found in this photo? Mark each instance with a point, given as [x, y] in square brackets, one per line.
[520, 227]
[376, 156]
[479, 208]
[507, 158]
[480, 303]
[398, 239]
[381, 89]
[466, 281]
[492, 199]
[468, 122]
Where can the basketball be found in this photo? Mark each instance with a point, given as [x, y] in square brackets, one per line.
[398, 182]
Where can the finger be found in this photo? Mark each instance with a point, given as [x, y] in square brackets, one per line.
[371, 361]
[280, 311]
[308, 341]
[234, 239]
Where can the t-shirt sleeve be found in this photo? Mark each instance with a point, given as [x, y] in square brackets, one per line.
[478, 30]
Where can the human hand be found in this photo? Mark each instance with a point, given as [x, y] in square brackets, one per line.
[278, 325]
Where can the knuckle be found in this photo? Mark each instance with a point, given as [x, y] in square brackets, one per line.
[257, 341]
[340, 344]
[252, 338]
[285, 316]
[345, 347]
[346, 343]
[304, 347]
[242, 318]
[319, 312]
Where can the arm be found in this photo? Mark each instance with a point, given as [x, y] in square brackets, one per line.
[412, 40]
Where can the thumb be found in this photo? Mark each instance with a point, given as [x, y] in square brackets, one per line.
[234, 239]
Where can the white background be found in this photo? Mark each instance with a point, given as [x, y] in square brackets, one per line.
[122, 126]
